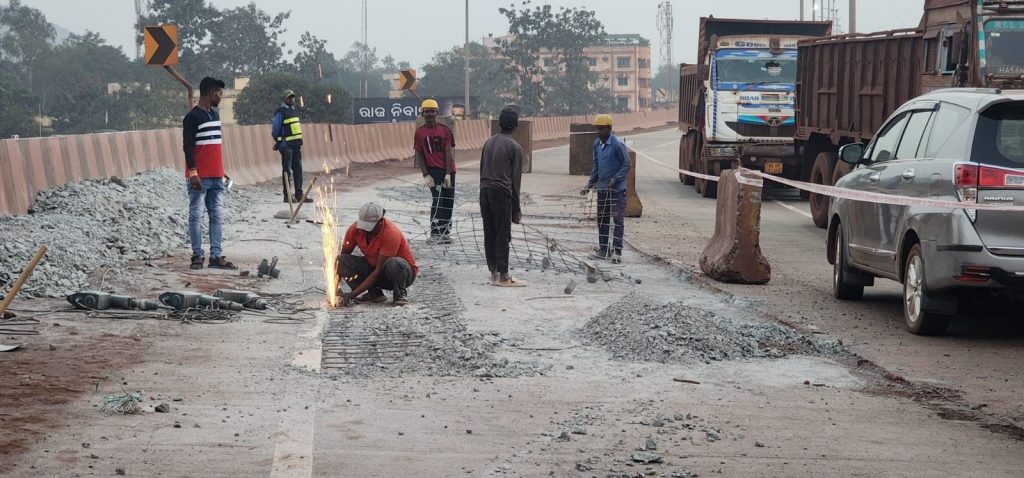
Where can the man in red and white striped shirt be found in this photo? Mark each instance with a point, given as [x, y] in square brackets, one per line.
[204, 168]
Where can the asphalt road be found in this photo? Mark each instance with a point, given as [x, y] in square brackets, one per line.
[980, 356]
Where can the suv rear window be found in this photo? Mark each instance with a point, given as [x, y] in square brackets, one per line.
[999, 138]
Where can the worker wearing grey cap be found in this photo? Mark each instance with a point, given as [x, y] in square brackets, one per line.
[386, 264]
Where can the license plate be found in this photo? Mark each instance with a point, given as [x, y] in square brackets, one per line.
[1014, 180]
[773, 168]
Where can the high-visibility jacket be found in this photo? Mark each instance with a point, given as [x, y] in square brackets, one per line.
[289, 129]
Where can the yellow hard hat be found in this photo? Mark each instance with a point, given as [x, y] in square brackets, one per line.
[428, 104]
[603, 120]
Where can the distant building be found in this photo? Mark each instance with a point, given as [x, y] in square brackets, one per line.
[622, 63]
[228, 98]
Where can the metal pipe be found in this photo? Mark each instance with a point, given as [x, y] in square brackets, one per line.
[188, 86]
[853, 17]
[465, 59]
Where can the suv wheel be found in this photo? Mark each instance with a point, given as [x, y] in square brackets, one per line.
[915, 293]
[842, 289]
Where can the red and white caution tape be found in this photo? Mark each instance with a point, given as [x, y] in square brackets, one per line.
[755, 178]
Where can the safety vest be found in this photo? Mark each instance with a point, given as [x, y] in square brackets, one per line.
[290, 127]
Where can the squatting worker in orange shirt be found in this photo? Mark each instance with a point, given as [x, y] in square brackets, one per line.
[386, 263]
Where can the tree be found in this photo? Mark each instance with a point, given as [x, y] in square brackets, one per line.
[26, 40]
[245, 41]
[193, 18]
[568, 85]
[260, 99]
[313, 62]
[17, 108]
[359, 68]
[489, 80]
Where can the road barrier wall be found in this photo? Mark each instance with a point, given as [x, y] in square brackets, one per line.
[30, 165]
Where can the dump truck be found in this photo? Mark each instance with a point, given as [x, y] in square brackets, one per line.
[736, 104]
[848, 85]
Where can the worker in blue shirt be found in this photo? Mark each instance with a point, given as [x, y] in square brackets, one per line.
[611, 167]
[287, 132]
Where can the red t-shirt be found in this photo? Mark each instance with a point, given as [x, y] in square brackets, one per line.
[389, 242]
[432, 142]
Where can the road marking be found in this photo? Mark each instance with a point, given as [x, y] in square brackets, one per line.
[791, 208]
[296, 429]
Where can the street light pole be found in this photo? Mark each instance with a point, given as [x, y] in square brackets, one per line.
[465, 61]
[801, 10]
[853, 17]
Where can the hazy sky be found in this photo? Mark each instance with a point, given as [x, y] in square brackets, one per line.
[412, 30]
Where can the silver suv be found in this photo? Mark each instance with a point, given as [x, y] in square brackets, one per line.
[961, 144]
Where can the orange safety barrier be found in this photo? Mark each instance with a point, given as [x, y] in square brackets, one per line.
[30, 165]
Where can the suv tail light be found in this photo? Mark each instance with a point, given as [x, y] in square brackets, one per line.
[965, 179]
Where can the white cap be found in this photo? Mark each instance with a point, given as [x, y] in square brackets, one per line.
[369, 215]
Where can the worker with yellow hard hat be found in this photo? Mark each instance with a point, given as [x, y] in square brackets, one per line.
[611, 166]
[433, 143]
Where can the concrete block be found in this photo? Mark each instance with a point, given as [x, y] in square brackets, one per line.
[634, 208]
[523, 135]
[734, 253]
[581, 148]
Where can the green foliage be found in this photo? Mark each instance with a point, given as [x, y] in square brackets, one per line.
[568, 86]
[260, 99]
[17, 109]
[489, 80]
[27, 39]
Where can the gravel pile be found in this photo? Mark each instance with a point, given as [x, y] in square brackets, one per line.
[641, 328]
[97, 224]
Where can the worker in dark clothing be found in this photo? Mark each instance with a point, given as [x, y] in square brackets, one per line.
[287, 133]
[611, 166]
[433, 143]
[501, 174]
[204, 168]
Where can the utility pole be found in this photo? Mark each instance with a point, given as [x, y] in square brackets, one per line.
[465, 60]
[801, 10]
[853, 17]
[366, 52]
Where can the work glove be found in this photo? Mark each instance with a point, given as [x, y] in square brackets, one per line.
[585, 190]
[428, 181]
[611, 184]
[195, 183]
[447, 183]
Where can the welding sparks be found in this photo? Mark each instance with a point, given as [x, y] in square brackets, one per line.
[326, 203]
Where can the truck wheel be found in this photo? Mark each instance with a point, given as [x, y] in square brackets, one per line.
[841, 287]
[841, 169]
[821, 173]
[708, 189]
[687, 151]
[917, 320]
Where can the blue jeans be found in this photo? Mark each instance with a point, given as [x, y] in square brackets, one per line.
[212, 198]
[610, 209]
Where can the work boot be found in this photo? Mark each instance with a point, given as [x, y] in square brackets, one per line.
[616, 257]
[399, 297]
[600, 253]
[372, 296]
[298, 199]
[197, 262]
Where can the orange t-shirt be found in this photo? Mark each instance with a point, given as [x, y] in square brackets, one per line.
[389, 242]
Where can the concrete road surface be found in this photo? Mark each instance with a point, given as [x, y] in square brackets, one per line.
[475, 380]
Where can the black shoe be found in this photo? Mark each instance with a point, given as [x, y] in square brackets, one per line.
[372, 296]
[307, 201]
[197, 262]
[286, 201]
[399, 298]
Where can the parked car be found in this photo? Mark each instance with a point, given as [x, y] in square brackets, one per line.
[959, 144]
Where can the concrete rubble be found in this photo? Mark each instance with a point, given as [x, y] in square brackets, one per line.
[642, 328]
[94, 225]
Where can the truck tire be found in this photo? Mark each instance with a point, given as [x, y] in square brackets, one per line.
[841, 169]
[687, 153]
[708, 189]
[821, 173]
[842, 289]
[915, 292]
